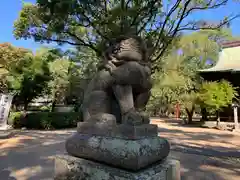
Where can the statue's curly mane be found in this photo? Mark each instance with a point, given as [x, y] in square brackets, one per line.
[129, 48]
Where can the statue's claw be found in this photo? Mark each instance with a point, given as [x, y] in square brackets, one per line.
[135, 118]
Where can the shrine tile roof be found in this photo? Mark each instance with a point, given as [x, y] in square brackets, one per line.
[229, 58]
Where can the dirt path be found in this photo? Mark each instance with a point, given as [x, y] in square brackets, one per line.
[205, 154]
[223, 143]
[30, 154]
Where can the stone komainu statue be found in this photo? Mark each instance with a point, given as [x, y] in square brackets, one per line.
[122, 85]
[114, 131]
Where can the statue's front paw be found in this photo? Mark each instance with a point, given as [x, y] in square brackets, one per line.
[135, 118]
[145, 118]
[110, 67]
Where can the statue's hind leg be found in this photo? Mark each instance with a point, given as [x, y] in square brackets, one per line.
[95, 104]
[127, 76]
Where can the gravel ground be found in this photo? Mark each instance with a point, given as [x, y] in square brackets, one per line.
[205, 154]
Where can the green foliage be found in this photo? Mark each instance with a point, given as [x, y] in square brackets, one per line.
[92, 23]
[86, 61]
[45, 109]
[59, 84]
[48, 120]
[83, 66]
[48, 72]
[179, 80]
[26, 75]
[16, 119]
[201, 49]
[217, 95]
[11, 58]
[31, 79]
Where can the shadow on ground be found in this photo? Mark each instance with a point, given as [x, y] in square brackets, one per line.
[195, 142]
[30, 155]
[205, 154]
[197, 167]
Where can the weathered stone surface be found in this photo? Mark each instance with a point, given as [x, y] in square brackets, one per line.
[136, 132]
[126, 154]
[123, 81]
[69, 167]
[6, 134]
[91, 128]
[103, 118]
[134, 118]
[95, 102]
[124, 97]
[119, 131]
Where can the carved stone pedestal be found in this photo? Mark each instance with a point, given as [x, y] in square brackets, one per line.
[122, 153]
[6, 134]
[123, 146]
[108, 151]
[72, 168]
[116, 141]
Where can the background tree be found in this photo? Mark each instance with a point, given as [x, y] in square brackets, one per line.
[30, 80]
[217, 95]
[83, 66]
[59, 84]
[179, 80]
[10, 59]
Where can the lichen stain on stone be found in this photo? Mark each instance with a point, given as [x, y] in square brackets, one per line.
[119, 146]
[96, 174]
[94, 142]
[118, 178]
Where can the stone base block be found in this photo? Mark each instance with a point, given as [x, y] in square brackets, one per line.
[72, 168]
[6, 134]
[118, 131]
[122, 153]
[236, 130]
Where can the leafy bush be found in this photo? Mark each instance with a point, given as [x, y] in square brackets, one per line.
[50, 120]
[42, 108]
[16, 119]
[45, 108]
[217, 95]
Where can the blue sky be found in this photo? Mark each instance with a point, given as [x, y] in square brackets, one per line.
[9, 10]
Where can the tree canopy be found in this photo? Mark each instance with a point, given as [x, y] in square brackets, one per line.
[92, 23]
[217, 94]
[11, 60]
[179, 80]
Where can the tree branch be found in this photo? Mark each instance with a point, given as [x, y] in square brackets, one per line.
[149, 18]
[93, 26]
[207, 6]
[195, 28]
[90, 45]
[174, 7]
[185, 14]
[40, 38]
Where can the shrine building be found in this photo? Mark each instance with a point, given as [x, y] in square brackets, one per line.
[228, 68]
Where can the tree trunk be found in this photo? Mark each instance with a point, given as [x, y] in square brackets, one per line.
[122, 17]
[235, 109]
[25, 105]
[218, 118]
[190, 113]
[53, 105]
[54, 102]
[204, 114]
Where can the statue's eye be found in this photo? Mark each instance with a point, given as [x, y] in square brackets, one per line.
[116, 50]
